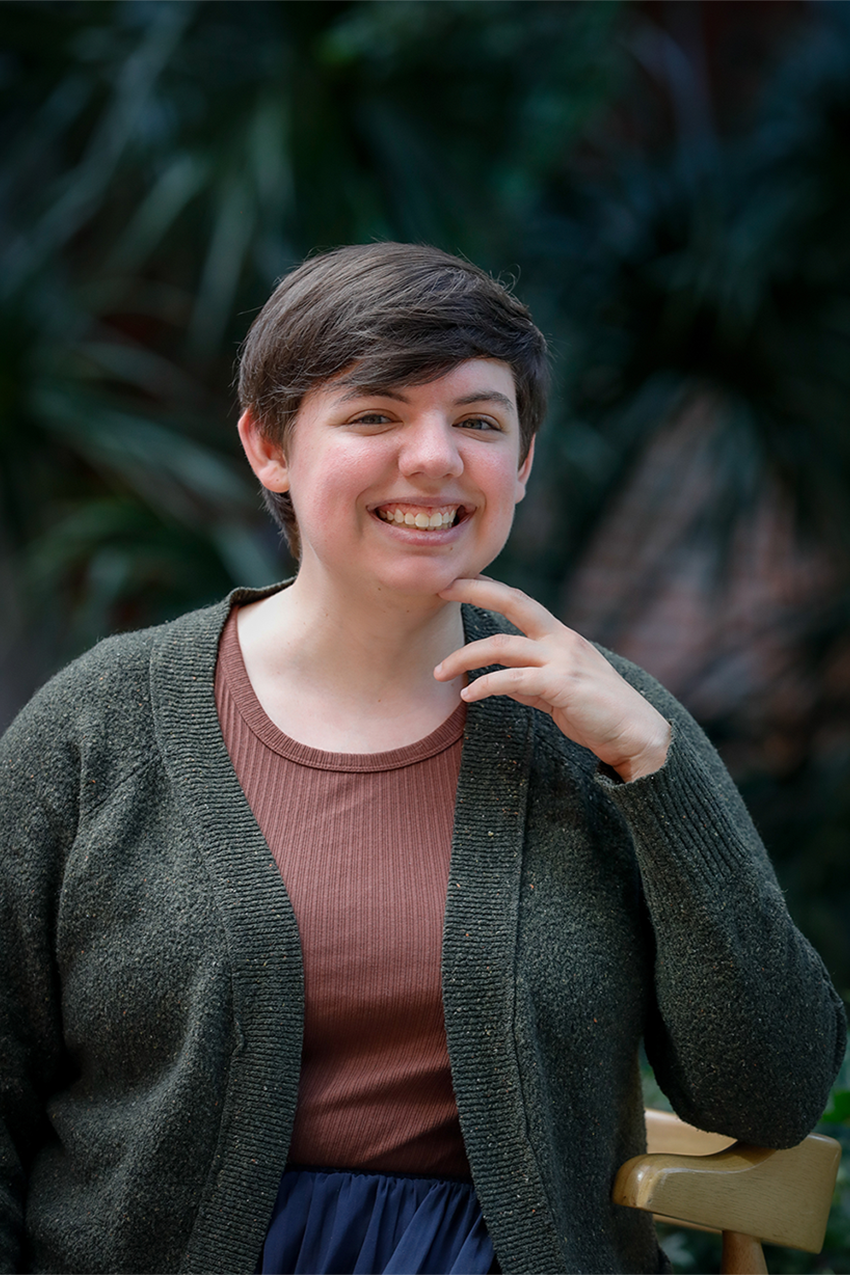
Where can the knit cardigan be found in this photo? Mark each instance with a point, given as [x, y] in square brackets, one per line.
[152, 998]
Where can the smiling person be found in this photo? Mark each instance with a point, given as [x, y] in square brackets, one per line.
[334, 915]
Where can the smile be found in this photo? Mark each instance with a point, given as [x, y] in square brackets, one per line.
[416, 516]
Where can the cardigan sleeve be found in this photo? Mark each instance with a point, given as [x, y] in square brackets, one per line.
[749, 1032]
[39, 785]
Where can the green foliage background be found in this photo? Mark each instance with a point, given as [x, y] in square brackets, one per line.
[169, 162]
[166, 161]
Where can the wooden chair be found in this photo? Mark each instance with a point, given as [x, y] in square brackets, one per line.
[750, 1194]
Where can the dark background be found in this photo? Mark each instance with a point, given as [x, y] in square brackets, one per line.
[669, 184]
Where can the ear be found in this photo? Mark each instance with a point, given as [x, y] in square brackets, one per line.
[523, 473]
[265, 457]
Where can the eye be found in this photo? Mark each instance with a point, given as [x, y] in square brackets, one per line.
[371, 418]
[484, 423]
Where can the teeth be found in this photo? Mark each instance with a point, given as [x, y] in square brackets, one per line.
[436, 520]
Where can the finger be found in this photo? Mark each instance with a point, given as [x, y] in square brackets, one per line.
[493, 595]
[501, 648]
[522, 684]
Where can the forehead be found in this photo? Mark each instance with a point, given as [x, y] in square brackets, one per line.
[472, 381]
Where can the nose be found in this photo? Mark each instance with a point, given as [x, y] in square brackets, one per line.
[430, 447]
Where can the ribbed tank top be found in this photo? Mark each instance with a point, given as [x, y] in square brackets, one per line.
[363, 843]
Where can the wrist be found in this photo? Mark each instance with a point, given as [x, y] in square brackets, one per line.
[650, 758]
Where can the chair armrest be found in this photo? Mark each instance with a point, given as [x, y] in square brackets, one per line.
[666, 1132]
[782, 1197]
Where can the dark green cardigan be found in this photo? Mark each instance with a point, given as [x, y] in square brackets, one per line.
[152, 998]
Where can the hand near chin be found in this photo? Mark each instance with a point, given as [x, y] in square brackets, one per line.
[556, 670]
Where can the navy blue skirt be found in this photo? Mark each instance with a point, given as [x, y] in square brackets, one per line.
[341, 1222]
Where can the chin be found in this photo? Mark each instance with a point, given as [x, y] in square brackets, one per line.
[428, 579]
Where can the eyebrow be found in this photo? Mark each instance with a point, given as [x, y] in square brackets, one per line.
[486, 396]
[477, 396]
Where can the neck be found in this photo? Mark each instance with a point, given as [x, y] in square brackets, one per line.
[350, 674]
[381, 638]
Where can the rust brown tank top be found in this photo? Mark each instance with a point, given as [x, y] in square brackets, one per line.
[363, 844]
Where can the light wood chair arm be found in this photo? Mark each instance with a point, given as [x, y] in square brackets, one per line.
[666, 1132]
[782, 1197]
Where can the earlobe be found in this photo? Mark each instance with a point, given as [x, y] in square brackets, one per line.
[265, 456]
[523, 473]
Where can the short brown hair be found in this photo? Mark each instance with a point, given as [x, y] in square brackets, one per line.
[401, 314]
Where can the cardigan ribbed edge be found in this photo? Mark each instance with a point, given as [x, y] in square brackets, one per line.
[265, 952]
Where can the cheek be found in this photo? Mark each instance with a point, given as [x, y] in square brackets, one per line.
[326, 484]
[498, 480]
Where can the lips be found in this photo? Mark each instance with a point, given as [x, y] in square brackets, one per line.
[421, 517]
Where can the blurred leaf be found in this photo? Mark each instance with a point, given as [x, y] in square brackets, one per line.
[838, 1111]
